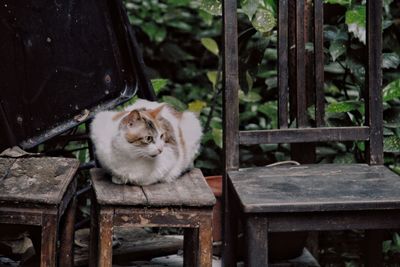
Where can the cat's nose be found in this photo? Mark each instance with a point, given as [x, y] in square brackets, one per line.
[159, 150]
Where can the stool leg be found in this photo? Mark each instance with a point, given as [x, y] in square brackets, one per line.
[205, 242]
[94, 232]
[67, 236]
[190, 247]
[374, 254]
[105, 225]
[256, 238]
[48, 254]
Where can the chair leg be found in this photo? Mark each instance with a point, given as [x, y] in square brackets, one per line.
[373, 251]
[205, 243]
[48, 254]
[105, 224]
[67, 236]
[256, 238]
[190, 247]
[230, 232]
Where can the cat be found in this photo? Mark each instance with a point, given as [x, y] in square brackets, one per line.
[147, 143]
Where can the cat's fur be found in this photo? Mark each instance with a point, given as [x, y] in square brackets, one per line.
[147, 143]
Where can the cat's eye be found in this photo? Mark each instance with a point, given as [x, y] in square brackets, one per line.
[148, 139]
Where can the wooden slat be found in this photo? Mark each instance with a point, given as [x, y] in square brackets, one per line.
[300, 66]
[319, 61]
[301, 135]
[283, 60]
[231, 86]
[331, 221]
[374, 111]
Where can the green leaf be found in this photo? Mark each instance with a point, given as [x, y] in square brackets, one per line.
[264, 20]
[270, 109]
[155, 32]
[249, 7]
[217, 137]
[197, 106]
[211, 45]
[178, 2]
[386, 246]
[250, 97]
[212, 77]
[356, 22]
[391, 144]
[345, 106]
[249, 80]
[390, 60]
[339, 2]
[173, 101]
[396, 239]
[391, 91]
[214, 7]
[159, 84]
[336, 49]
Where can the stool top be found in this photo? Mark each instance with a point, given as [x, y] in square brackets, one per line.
[317, 187]
[190, 190]
[36, 180]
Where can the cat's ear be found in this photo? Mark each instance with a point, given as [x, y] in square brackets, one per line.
[134, 115]
[155, 112]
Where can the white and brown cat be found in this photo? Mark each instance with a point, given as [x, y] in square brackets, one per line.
[147, 143]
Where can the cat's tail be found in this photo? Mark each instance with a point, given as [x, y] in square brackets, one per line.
[192, 133]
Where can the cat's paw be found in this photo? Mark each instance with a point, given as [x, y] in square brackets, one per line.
[117, 180]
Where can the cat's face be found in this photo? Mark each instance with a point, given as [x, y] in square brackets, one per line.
[143, 132]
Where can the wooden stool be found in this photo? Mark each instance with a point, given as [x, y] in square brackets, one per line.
[38, 191]
[186, 203]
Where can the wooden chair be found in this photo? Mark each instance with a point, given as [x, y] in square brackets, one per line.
[186, 203]
[313, 197]
[39, 192]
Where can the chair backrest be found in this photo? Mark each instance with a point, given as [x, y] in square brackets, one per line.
[371, 132]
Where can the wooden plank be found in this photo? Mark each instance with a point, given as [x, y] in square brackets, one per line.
[316, 187]
[301, 114]
[48, 253]
[19, 215]
[190, 190]
[319, 62]
[67, 236]
[230, 85]
[256, 238]
[374, 110]
[160, 217]
[283, 60]
[333, 221]
[38, 180]
[109, 193]
[105, 224]
[300, 135]
[205, 250]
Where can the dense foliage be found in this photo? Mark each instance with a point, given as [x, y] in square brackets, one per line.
[180, 44]
[180, 40]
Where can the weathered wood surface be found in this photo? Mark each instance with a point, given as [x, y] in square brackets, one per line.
[319, 187]
[35, 180]
[190, 190]
[301, 135]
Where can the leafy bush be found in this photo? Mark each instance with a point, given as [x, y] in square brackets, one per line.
[180, 41]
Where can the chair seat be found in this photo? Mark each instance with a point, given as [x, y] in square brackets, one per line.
[317, 187]
[41, 180]
[190, 190]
